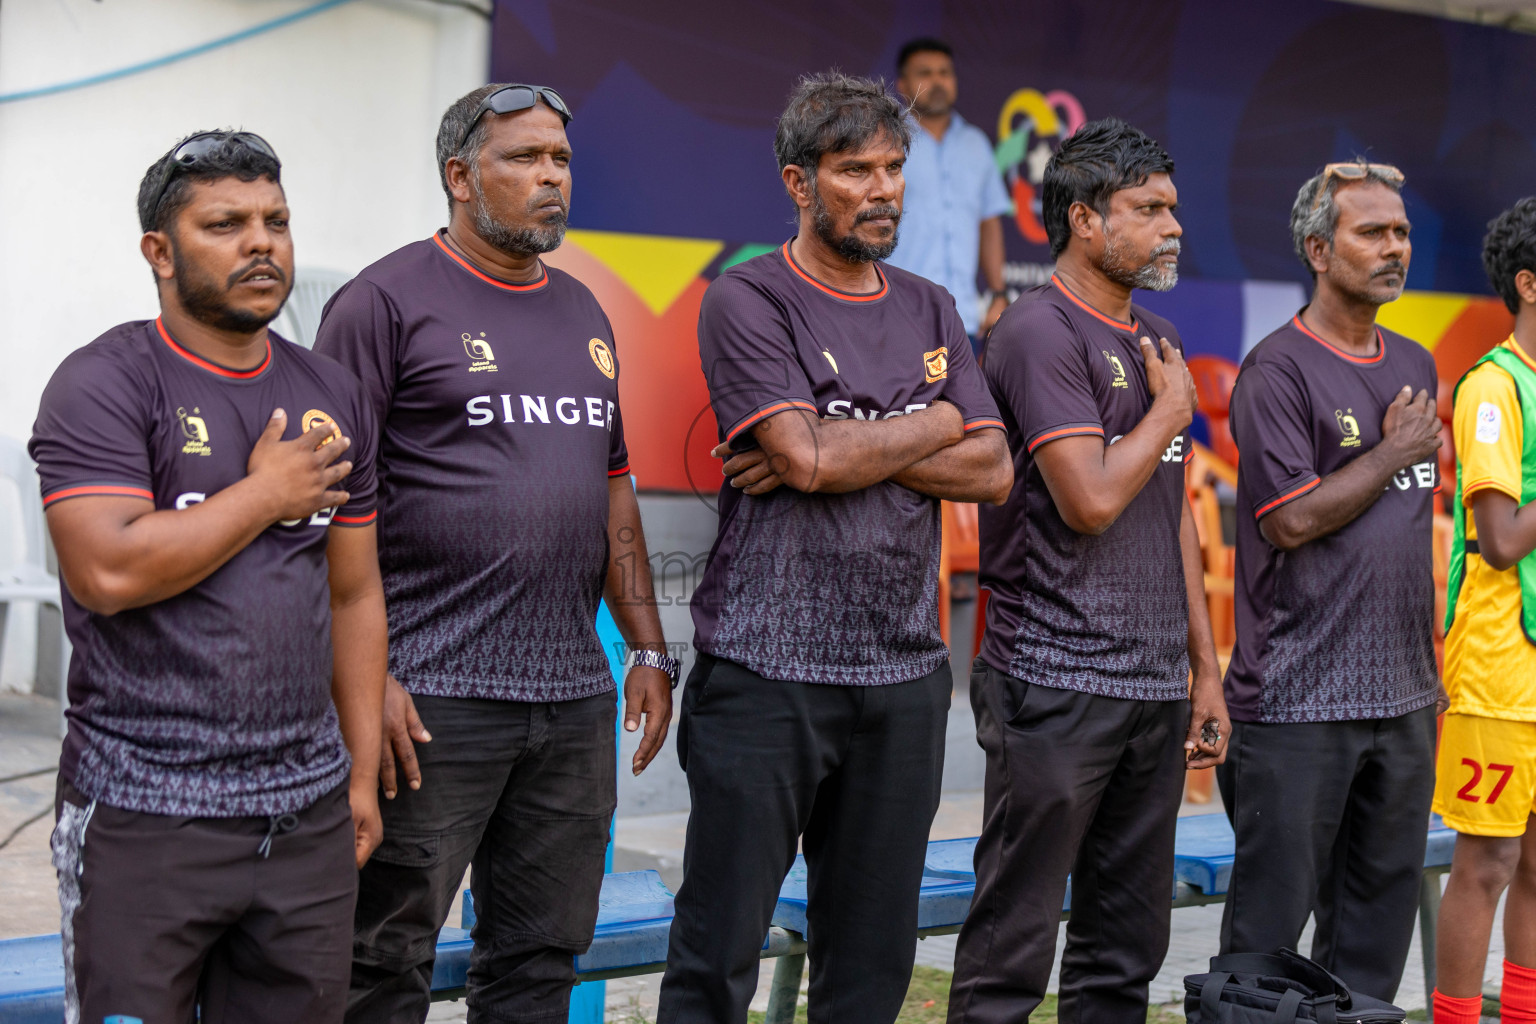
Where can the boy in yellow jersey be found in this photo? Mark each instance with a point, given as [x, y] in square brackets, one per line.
[1486, 771]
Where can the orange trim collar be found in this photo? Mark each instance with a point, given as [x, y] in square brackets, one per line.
[885, 285]
[1132, 327]
[488, 279]
[201, 363]
[1381, 344]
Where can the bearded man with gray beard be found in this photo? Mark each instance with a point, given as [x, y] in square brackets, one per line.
[1097, 614]
[510, 514]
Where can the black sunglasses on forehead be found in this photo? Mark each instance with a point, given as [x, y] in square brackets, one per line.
[192, 151]
[511, 98]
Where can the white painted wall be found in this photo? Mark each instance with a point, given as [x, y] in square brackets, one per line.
[350, 99]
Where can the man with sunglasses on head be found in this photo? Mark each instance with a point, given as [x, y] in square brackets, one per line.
[505, 483]
[1332, 685]
[210, 490]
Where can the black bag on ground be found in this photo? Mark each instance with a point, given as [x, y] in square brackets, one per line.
[1277, 988]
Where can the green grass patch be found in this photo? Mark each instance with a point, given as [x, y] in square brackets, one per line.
[927, 1002]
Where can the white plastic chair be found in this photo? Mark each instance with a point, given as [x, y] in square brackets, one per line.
[24, 574]
[312, 289]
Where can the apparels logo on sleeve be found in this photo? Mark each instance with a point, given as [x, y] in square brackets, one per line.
[936, 364]
[481, 358]
[602, 355]
[315, 418]
[1490, 423]
[1349, 427]
[195, 431]
[1118, 368]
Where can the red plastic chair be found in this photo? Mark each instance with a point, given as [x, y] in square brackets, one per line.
[1214, 379]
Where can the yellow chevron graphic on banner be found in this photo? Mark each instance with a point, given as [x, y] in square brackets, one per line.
[656, 268]
[1423, 316]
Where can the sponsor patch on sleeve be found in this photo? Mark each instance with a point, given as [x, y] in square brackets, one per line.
[1489, 423]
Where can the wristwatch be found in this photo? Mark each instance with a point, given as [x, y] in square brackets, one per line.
[655, 659]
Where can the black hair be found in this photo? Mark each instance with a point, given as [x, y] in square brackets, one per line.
[1100, 159]
[925, 44]
[833, 113]
[1510, 247]
[231, 159]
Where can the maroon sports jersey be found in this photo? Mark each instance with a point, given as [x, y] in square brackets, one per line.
[828, 588]
[1107, 615]
[215, 702]
[499, 421]
[1342, 627]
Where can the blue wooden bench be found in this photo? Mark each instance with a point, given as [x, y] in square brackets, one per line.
[635, 915]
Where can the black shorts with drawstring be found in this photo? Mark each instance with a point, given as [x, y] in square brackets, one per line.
[242, 920]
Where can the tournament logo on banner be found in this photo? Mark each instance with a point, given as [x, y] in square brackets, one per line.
[1030, 128]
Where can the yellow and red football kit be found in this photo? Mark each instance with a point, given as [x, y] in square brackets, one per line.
[1486, 768]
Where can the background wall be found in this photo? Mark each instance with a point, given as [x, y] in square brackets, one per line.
[675, 104]
[350, 99]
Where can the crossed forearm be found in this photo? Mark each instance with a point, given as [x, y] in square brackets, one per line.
[837, 456]
[976, 469]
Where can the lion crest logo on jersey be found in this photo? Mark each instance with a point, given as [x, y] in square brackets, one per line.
[936, 364]
[315, 418]
[602, 355]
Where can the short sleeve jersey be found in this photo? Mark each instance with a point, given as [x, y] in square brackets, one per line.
[1106, 615]
[1340, 628]
[828, 588]
[1490, 664]
[498, 407]
[215, 702]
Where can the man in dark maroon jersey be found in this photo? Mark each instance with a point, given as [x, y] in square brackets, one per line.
[1097, 612]
[195, 483]
[817, 708]
[505, 485]
[1333, 684]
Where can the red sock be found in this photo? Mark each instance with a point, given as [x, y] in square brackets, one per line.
[1451, 1010]
[1517, 999]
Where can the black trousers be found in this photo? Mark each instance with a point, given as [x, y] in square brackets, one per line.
[526, 791]
[165, 916]
[1074, 784]
[855, 771]
[1330, 819]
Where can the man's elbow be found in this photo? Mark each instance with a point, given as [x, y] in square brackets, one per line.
[1283, 532]
[999, 484]
[1495, 556]
[100, 591]
[1089, 517]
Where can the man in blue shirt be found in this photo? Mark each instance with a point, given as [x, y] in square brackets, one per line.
[955, 201]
